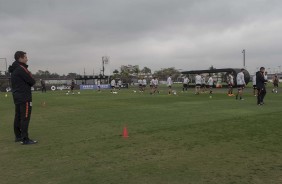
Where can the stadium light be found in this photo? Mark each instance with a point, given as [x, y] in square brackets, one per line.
[105, 60]
[244, 58]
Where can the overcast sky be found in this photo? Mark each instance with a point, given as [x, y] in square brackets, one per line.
[68, 35]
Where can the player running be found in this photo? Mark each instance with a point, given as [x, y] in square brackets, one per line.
[210, 83]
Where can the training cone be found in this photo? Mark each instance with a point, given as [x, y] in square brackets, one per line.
[125, 133]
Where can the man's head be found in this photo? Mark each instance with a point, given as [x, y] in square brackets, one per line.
[242, 69]
[21, 57]
[262, 69]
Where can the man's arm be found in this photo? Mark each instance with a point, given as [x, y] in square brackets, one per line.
[26, 76]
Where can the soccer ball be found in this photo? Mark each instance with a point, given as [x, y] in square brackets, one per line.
[134, 91]
[67, 93]
[6, 95]
[78, 93]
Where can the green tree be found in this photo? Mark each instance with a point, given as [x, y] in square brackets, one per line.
[115, 71]
[146, 70]
[136, 70]
[165, 72]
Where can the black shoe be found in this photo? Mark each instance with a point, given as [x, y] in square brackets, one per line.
[18, 139]
[27, 142]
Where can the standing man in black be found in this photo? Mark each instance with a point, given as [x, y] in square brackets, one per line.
[260, 82]
[43, 85]
[22, 81]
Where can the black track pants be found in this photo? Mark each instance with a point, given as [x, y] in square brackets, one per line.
[22, 118]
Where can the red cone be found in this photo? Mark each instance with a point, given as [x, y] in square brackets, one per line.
[125, 133]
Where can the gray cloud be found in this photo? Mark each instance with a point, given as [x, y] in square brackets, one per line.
[68, 35]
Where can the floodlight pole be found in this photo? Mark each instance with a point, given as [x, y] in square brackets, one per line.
[103, 66]
[104, 60]
[244, 58]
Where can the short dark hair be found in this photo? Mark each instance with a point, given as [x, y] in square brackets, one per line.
[19, 54]
[262, 68]
[242, 69]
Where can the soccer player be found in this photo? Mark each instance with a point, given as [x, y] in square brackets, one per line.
[140, 84]
[72, 86]
[240, 84]
[230, 80]
[185, 83]
[203, 84]
[119, 84]
[113, 85]
[275, 81]
[22, 81]
[260, 81]
[198, 84]
[169, 84]
[210, 83]
[255, 84]
[152, 85]
[99, 85]
[156, 85]
[144, 84]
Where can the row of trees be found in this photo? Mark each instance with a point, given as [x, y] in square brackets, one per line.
[127, 73]
[133, 72]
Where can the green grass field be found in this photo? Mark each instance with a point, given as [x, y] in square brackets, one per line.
[175, 139]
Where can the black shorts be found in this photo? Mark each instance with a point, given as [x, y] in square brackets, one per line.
[140, 85]
[169, 87]
[185, 85]
[254, 86]
[112, 87]
[230, 85]
[203, 85]
[198, 85]
[275, 85]
[240, 87]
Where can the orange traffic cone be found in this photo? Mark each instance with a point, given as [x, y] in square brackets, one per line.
[125, 133]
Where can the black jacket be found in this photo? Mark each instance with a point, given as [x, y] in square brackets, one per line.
[22, 81]
[260, 80]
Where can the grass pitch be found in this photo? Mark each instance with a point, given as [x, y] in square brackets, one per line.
[175, 139]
